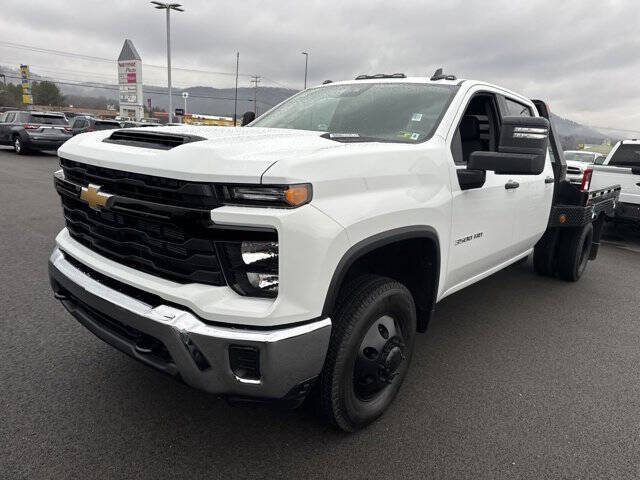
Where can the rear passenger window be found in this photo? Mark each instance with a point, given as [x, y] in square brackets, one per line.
[517, 109]
[626, 156]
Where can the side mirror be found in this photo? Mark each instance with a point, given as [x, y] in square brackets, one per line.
[600, 160]
[522, 150]
[248, 117]
[469, 179]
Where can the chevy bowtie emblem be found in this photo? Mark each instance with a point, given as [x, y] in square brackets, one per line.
[94, 197]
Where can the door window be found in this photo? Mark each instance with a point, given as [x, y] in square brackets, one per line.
[516, 109]
[477, 130]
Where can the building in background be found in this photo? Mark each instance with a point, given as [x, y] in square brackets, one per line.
[130, 82]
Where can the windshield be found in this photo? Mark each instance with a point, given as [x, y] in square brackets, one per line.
[387, 112]
[579, 156]
[48, 119]
[627, 155]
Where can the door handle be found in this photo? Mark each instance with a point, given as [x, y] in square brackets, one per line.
[548, 180]
[510, 185]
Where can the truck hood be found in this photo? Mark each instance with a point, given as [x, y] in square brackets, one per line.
[227, 154]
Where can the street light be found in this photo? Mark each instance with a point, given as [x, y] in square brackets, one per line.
[185, 95]
[168, 7]
[306, 63]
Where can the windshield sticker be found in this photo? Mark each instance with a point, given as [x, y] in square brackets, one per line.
[415, 136]
[343, 135]
[417, 117]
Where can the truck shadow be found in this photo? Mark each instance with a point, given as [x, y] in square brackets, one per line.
[622, 234]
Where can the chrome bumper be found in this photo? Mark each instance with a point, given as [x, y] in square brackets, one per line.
[186, 347]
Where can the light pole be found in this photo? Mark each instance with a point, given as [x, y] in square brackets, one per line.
[185, 95]
[168, 7]
[306, 63]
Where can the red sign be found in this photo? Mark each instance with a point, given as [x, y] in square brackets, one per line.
[131, 77]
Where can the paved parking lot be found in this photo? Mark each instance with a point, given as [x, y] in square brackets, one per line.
[518, 377]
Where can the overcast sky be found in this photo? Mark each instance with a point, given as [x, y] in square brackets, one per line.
[583, 56]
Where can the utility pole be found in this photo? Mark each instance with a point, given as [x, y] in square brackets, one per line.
[306, 63]
[168, 7]
[235, 100]
[255, 80]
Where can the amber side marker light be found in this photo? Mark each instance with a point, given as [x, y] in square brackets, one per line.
[562, 218]
[297, 195]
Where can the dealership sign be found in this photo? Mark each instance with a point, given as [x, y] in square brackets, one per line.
[128, 75]
[130, 82]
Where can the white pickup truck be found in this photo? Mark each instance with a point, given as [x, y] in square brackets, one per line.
[302, 253]
[622, 166]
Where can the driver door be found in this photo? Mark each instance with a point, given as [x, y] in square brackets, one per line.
[482, 218]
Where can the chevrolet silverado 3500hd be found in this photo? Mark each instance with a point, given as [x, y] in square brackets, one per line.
[302, 253]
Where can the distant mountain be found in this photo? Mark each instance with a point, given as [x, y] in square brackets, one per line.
[218, 101]
[207, 100]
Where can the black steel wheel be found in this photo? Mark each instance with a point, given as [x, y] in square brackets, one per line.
[369, 352]
[379, 358]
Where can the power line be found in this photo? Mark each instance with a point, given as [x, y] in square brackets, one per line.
[91, 58]
[146, 90]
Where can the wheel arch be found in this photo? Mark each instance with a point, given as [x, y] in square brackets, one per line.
[422, 277]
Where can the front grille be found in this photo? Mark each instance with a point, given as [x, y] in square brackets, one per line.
[166, 249]
[153, 224]
[161, 190]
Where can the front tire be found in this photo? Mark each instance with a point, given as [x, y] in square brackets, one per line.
[369, 352]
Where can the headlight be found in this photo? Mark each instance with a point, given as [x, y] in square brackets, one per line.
[283, 196]
[252, 267]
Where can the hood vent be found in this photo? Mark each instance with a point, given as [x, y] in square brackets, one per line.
[146, 139]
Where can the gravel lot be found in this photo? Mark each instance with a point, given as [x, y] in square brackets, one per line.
[518, 377]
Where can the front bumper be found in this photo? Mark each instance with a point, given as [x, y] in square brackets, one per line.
[177, 342]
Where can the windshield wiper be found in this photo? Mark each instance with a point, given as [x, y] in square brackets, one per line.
[357, 138]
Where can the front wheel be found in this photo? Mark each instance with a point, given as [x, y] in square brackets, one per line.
[369, 353]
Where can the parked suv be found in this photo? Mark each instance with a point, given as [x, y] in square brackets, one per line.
[28, 131]
[82, 124]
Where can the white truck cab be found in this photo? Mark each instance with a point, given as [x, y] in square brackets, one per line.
[303, 252]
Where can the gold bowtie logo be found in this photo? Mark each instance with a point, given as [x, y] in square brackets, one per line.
[94, 197]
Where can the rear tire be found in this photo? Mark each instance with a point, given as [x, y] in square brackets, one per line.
[573, 252]
[19, 147]
[369, 352]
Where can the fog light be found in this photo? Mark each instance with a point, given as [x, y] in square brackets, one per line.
[253, 268]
